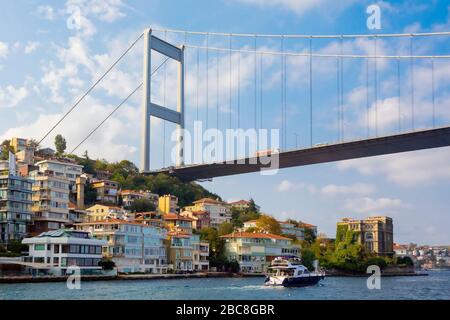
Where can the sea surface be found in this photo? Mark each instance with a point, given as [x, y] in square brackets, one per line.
[434, 286]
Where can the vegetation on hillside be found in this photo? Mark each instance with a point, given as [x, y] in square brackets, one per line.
[128, 176]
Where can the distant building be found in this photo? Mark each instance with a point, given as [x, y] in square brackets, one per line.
[400, 250]
[255, 251]
[50, 202]
[200, 219]
[129, 196]
[178, 222]
[200, 254]
[219, 211]
[168, 204]
[242, 205]
[134, 247]
[376, 233]
[101, 212]
[76, 215]
[296, 229]
[54, 251]
[15, 203]
[68, 170]
[180, 249]
[107, 191]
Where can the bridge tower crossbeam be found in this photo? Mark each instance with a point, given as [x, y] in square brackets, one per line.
[149, 108]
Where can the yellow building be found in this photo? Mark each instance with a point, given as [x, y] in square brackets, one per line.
[100, 212]
[107, 191]
[168, 204]
[376, 233]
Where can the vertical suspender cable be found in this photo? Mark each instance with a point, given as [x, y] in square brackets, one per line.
[256, 115]
[310, 93]
[282, 92]
[432, 93]
[207, 80]
[239, 91]
[376, 85]
[342, 89]
[367, 100]
[164, 104]
[198, 79]
[217, 93]
[399, 97]
[261, 90]
[230, 84]
[338, 99]
[412, 81]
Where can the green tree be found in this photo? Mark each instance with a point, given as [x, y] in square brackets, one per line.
[60, 145]
[16, 246]
[309, 236]
[142, 205]
[269, 224]
[225, 228]
[308, 258]
[5, 149]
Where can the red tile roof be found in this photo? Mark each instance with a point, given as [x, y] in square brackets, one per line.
[255, 235]
[208, 200]
[172, 216]
[110, 221]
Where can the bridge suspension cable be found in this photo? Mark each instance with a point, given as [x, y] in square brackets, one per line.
[91, 88]
[305, 36]
[117, 108]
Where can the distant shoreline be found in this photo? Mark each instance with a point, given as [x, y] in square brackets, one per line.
[131, 277]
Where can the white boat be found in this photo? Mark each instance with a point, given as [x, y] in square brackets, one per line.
[290, 272]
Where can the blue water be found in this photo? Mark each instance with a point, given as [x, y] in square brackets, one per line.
[434, 286]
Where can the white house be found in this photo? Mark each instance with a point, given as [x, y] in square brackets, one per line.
[54, 251]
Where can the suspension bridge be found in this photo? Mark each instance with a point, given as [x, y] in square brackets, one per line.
[331, 97]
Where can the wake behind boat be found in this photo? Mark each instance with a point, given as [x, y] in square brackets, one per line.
[289, 272]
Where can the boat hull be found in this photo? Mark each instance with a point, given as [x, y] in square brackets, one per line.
[296, 282]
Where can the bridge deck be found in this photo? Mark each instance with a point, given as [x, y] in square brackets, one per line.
[418, 140]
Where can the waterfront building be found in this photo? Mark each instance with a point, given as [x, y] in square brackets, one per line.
[50, 202]
[134, 247]
[255, 251]
[219, 211]
[200, 219]
[200, 254]
[15, 202]
[376, 233]
[400, 250]
[168, 204]
[54, 251]
[129, 196]
[242, 205]
[107, 191]
[101, 212]
[180, 251]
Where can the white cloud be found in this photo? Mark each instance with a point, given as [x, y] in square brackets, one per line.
[11, 96]
[370, 205]
[31, 46]
[286, 186]
[4, 50]
[406, 169]
[300, 7]
[46, 12]
[357, 188]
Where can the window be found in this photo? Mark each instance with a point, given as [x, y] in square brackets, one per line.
[39, 247]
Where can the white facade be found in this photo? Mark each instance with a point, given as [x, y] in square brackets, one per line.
[55, 251]
[219, 212]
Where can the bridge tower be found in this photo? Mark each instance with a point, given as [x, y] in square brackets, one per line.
[149, 108]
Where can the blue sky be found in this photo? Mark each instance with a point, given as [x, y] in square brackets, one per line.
[46, 63]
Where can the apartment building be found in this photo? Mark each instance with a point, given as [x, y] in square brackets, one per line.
[376, 233]
[219, 211]
[129, 196]
[242, 205]
[200, 254]
[107, 191]
[101, 212]
[134, 247]
[15, 203]
[168, 204]
[53, 252]
[255, 251]
[200, 219]
[68, 170]
[178, 222]
[180, 251]
[50, 202]
[297, 228]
